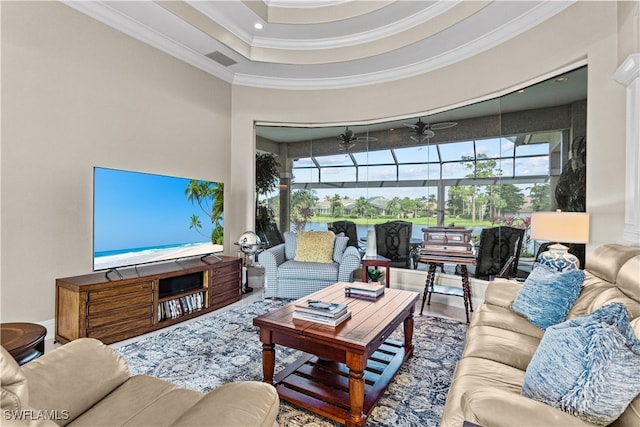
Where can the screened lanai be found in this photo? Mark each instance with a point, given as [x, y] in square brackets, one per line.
[482, 165]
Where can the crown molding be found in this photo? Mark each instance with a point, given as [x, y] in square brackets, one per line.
[113, 18]
[500, 35]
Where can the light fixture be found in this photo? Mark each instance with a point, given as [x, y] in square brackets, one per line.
[558, 226]
[258, 26]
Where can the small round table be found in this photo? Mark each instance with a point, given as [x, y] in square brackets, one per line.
[24, 341]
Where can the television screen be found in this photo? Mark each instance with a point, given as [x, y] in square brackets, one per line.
[141, 218]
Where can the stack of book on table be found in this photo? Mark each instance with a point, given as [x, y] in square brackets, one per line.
[326, 313]
[368, 291]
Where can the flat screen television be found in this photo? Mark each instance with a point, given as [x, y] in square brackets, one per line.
[141, 218]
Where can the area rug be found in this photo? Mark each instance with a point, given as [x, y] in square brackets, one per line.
[224, 347]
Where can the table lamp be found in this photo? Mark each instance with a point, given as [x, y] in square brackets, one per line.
[558, 226]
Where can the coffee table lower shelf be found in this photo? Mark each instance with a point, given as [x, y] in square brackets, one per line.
[322, 386]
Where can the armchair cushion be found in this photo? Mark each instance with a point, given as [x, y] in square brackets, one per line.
[315, 246]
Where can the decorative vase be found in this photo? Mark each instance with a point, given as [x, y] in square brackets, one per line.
[372, 246]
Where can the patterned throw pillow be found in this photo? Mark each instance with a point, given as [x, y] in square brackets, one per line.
[587, 366]
[547, 295]
[315, 246]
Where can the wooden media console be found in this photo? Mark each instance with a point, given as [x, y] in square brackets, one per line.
[113, 307]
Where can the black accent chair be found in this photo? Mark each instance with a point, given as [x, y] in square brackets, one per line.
[269, 234]
[392, 240]
[349, 229]
[498, 247]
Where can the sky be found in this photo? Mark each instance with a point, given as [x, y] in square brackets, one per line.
[133, 210]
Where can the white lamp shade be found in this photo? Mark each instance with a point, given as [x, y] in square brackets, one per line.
[566, 227]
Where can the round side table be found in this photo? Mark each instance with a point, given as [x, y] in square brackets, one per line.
[24, 341]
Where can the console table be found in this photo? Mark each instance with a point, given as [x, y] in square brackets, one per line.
[143, 298]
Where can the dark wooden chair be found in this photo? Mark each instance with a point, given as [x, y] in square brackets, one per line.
[349, 229]
[498, 247]
[393, 239]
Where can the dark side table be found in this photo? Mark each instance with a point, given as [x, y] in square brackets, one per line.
[24, 341]
[376, 261]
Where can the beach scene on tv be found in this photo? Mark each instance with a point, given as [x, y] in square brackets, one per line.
[142, 218]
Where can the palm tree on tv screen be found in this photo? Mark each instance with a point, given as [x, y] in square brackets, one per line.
[210, 198]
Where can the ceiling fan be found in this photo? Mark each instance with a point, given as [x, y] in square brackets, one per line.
[424, 130]
[348, 139]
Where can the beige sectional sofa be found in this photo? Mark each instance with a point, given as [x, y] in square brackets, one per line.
[487, 383]
[85, 383]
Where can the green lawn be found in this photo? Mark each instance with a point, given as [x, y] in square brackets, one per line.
[459, 222]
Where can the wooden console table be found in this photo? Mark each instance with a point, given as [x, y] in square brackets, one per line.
[144, 298]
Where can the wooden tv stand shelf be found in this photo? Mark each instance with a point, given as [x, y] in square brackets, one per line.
[115, 308]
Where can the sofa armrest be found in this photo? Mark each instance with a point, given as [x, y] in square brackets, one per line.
[73, 377]
[350, 262]
[491, 406]
[243, 403]
[270, 259]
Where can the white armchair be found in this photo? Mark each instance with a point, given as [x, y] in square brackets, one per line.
[288, 278]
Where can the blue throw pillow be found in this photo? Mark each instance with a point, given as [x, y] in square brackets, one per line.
[588, 366]
[547, 295]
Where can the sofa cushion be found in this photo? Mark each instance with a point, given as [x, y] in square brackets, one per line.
[506, 347]
[587, 366]
[502, 292]
[504, 318]
[229, 403]
[290, 244]
[315, 246]
[82, 372]
[339, 246]
[309, 271]
[627, 279]
[606, 260]
[125, 403]
[547, 295]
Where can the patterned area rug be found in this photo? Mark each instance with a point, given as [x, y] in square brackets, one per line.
[225, 347]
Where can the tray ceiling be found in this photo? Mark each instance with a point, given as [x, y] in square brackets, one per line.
[320, 44]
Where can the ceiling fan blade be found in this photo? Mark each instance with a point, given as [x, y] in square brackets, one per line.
[443, 125]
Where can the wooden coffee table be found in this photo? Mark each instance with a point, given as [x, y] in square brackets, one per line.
[347, 368]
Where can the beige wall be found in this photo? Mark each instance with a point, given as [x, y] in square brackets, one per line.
[585, 33]
[76, 94]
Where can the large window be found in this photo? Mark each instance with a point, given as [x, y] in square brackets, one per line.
[487, 164]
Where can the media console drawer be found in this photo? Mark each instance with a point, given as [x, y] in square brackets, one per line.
[98, 305]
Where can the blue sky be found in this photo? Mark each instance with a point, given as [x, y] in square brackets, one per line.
[133, 210]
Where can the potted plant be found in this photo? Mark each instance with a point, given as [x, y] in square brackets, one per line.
[374, 274]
